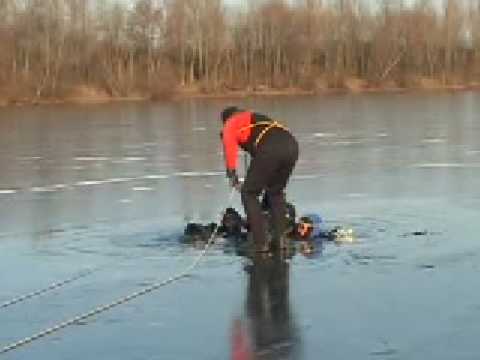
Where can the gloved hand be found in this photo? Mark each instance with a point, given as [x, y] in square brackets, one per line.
[233, 178]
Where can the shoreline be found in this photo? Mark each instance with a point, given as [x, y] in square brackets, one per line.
[237, 94]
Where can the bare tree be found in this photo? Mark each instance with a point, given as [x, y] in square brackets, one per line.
[50, 46]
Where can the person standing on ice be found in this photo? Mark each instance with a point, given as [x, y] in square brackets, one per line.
[274, 153]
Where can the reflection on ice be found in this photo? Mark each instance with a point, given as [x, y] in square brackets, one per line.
[7, 191]
[91, 158]
[442, 165]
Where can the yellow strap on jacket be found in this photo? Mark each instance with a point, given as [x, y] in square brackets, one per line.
[269, 126]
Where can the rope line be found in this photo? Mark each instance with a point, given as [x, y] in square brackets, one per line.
[123, 300]
[51, 287]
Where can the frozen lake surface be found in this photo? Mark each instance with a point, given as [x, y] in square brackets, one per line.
[102, 193]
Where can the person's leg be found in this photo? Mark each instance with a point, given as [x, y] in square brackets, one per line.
[260, 171]
[276, 192]
[278, 213]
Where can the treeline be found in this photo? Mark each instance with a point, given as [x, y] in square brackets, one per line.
[57, 48]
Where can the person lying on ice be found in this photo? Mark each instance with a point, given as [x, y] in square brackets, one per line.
[274, 153]
[233, 226]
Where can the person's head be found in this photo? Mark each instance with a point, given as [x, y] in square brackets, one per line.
[305, 227]
[228, 112]
[232, 222]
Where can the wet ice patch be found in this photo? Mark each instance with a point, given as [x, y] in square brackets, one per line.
[91, 158]
[90, 182]
[134, 158]
[384, 353]
[118, 180]
[346, 143]
[439, 165]
[125, 201]
[305, 177]
[42, 189]
[360, 258]
[324, 135]
[187, 174]
[356, 195]
[133, 146]
[155, 177]
[7, 191]
[142, 188]
[426, 267]
[29, 158]
[200, 128]
[197, 174]
[212, 173]
[59, 186]
[382, 134]
[433, 141]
